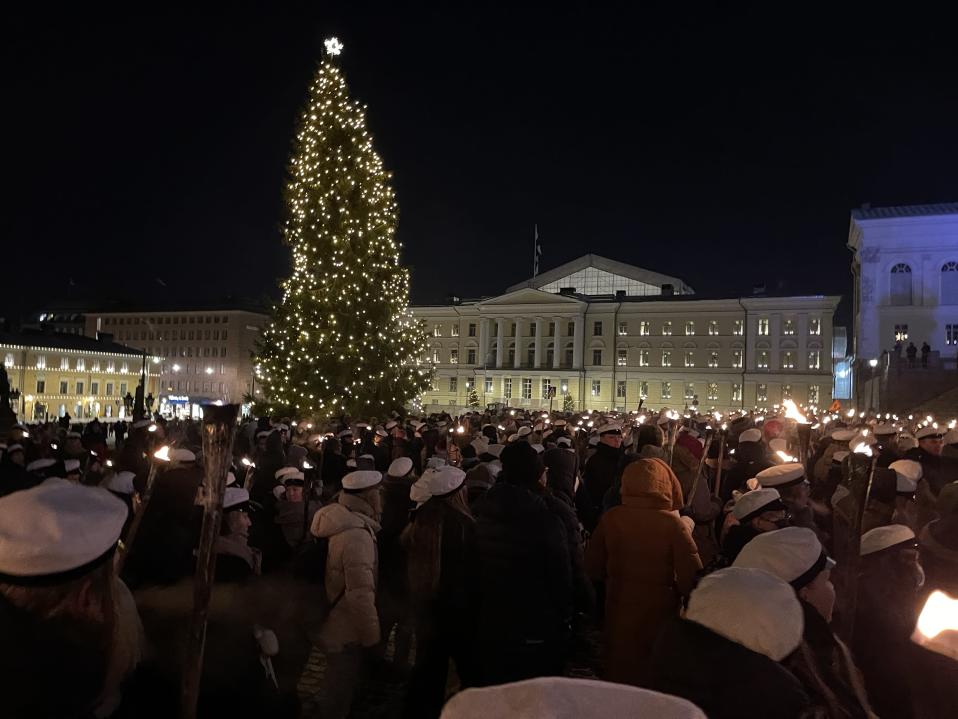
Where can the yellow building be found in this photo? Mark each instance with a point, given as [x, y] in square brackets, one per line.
[52, 374]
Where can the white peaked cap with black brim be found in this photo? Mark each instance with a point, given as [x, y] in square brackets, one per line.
[751, 504]
[782, 475]
[361, 479]
[750, 607]
[891, 536]
[443, 481]
[792, 554]
[400, 467]
[57, 531]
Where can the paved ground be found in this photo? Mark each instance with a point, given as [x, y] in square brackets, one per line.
[382, 698]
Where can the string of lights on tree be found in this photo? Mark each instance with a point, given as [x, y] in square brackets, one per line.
[342, 340]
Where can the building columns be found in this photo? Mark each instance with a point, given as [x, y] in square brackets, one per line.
[501, 339]
[558, 348]
[577, 342]
[517, 364]
[483, 340]
[540, 330]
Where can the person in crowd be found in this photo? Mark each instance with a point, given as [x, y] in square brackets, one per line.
[442, 553]
[925, 351]
[523, 552]
[291, 514]
[938, 543]
[725, 654]
[334, 467]
[823, 663]
[750, 459]
[647, 558]
[236, 561]
[350, 525]
[908, 474]
[789, 479]
[601, 470]
[912, 353]
[392, 598]
[72, 634]
[755, 512]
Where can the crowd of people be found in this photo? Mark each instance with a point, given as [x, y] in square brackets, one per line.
[738, 566]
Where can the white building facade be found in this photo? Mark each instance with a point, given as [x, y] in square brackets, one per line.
[201, 356]
[905, 267]
[631, 335]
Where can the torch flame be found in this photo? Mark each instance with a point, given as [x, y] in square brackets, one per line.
[937, 627]
[862, 448]
[791, 412]
[163, 453]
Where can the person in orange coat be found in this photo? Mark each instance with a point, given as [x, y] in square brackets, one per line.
[647, 558]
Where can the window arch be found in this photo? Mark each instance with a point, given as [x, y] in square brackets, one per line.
[949, 283]
[900, 289]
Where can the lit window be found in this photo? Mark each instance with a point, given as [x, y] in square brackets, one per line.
[901, 333]
[713, 327]
[620, 389]
[761, 393]
[488, 385]
[736, 392]
[436, 331]
[763, 327]
[738, 327]
[507, 388]
[814, 359]
[622, 357]
[643, 358]
[788, 327]
[596, 388]
[814, 326]
[951, 334]
[453, 384]
[64, 363]
[546, 384]
[645, 327]
[788, 360]
[124, 368]
[643, 390]
[455, 330]
[813, 391]
[96, 366]
[666, 358]
[786, 391]
[435, 357]
[623, 328]
[453, 356]
[8, 361]
[762, 361]
[713, 359]
[712, 391]
[690, 390]
[690, 328]
[666, 328]
[666, 390]
[689, 358]
[526, 388]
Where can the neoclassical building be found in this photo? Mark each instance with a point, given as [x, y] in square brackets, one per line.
[905, 266]
[608, 334]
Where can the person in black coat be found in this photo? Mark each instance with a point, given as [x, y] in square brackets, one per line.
[601, 471]
[392, 596]
[525, 575]
[441, 546]
[750, 459]
[725, 655]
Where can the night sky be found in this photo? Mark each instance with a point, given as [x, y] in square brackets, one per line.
[724, 145]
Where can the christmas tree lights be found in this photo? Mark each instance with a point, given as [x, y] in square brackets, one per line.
[342, 340]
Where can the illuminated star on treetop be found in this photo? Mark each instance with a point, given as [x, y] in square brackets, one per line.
[333, 46]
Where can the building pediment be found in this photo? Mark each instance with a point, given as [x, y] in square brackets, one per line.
[531, 296]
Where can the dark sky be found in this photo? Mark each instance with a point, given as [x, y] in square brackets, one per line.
[723, 145]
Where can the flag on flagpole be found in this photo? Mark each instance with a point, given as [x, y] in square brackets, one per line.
[536, 251]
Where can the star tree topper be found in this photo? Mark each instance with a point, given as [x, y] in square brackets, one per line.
[333, 46]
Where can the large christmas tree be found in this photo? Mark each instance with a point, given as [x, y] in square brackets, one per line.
[342, 340]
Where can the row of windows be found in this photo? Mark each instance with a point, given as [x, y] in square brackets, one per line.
[80, 387]
[900, 290]
[525, 386]
[951, 333]
[79, 364]
[184, 386]
[174, 320]
[645, 328]
[191, 369]
[787, 359]
[163, 335]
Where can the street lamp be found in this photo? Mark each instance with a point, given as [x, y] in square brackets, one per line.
[873, 363]
[176, 368]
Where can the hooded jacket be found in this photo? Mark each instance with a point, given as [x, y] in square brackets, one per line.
[351, 569]
[648, 560]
